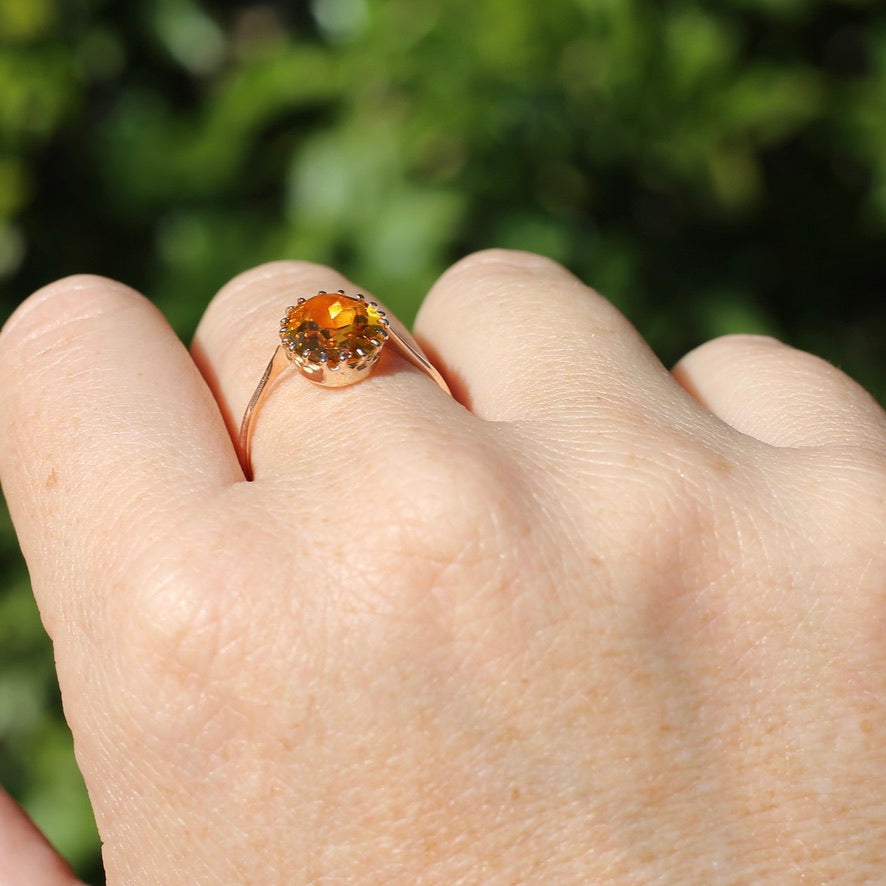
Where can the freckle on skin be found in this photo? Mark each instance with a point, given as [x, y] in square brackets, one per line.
[52, 479]
[723, 466]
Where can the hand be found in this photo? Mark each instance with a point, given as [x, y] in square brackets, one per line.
[587, 622]
[25, 856]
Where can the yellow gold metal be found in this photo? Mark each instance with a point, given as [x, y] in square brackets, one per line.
[335, 369]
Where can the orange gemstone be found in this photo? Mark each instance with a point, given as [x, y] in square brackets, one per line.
[335, 330]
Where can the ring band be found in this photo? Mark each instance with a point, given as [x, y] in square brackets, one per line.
[333, 340]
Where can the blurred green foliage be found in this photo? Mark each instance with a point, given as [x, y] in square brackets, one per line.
[710, 165]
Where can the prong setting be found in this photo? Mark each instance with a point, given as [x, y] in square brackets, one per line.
[334, 339]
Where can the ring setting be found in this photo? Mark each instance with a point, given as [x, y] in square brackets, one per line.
[336, 339]
[333, 340]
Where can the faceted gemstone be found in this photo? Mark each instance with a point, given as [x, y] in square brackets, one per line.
[334, 329]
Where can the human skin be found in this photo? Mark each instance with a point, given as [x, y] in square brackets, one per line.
[587, 621]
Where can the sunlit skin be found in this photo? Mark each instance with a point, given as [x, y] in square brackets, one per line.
[587, 621]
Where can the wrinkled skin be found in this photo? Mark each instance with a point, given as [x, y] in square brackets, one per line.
[588, 621]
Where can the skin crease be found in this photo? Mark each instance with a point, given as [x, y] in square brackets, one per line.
[587, 622]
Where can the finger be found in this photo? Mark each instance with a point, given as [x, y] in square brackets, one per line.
[106, 427]
[517, 336]
[780, 395]
[25, 854]
[237, 337]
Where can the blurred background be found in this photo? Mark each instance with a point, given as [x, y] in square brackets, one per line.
[710, 165]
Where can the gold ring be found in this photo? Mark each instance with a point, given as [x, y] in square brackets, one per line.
[332, 339]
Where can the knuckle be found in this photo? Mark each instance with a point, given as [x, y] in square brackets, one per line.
[184, 616]
[494, 262]
[182, 640]
[273, 275]
[60, 306]
[251, 299]
[448, 516]
[198, 641]
[738, 345]
[451, 561]
[172, 622]
[670, 509]
[745, 341]
[784, 362]
[454, 496]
